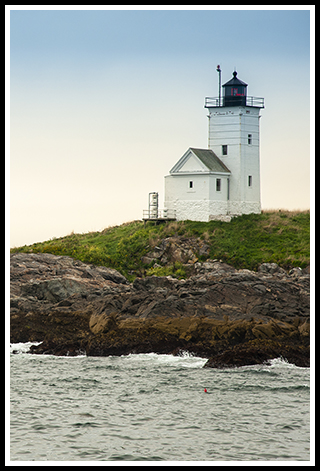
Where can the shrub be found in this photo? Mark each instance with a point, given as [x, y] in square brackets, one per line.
[176, 270]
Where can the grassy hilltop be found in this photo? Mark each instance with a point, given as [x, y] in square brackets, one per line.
[245, 242]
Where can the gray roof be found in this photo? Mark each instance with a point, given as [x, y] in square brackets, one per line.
[210, 160]
[235, 81]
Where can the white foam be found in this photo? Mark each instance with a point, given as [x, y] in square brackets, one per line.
[275, 363]
[280, 363]
[22, 347]
[283, 363]
[186, 360]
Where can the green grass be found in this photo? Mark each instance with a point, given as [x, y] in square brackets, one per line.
[176, 269]
[245, 242]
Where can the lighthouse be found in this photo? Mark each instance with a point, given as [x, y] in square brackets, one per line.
[224, 180]
[234, 136]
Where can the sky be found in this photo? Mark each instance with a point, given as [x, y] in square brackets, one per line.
[103, 103]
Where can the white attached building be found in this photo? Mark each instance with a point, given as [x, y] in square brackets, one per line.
[198, 185]
[224, 180]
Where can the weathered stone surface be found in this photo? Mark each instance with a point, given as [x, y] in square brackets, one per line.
[270, 268]
[178, 249]
[73, 307]
[257, 352]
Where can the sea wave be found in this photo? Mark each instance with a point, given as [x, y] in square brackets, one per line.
[185, 359]
[153, 406]
[22, 347]
[271, 365]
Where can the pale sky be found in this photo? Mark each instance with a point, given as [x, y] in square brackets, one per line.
[103, 103]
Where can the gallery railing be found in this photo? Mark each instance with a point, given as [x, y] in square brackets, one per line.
[216, 102]
[160, 214]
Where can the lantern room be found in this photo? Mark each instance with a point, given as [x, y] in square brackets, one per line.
[235, 92]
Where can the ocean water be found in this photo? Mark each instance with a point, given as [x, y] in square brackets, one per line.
[153, 407]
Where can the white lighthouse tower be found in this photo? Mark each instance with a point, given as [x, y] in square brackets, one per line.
[223, 180]
[234, 136]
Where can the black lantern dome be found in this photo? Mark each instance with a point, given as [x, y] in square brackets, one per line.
[234, 92]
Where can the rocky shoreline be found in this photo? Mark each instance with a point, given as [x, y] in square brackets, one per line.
[232, 317]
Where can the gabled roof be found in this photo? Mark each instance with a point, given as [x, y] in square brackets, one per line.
[209, 160]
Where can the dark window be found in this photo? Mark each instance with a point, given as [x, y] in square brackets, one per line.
[190, 184]
[224, 150]
[249, 180]
[218, 184]
[249, 138]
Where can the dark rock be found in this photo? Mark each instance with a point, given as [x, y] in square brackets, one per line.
[270, 268]
[219, 312]
[253, 353]
[213, 267]
[297, 271]
[54, 290]
[178, 249]
[151, 282]
[108, 274]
